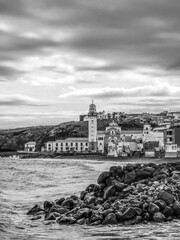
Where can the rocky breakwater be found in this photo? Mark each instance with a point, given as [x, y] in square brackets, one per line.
[128, 195]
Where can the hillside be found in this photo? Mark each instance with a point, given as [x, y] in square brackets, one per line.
[14, 139]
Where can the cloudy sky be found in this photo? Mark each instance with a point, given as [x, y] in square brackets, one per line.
[57, 55]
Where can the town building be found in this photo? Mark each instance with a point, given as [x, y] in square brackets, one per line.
[30, 146]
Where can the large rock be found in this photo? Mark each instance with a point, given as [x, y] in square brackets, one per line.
[176, 208]
[153, 208]
[161, 204]
[167, 211]
[59, 201]
[109, 192]
[159, 217]
[66, 220]
[130, 177]
[47, 205]
[119, 186]
[145, 172]
[167, 197]
[103, 177]
[37, 208]
[82, 213]
[110, 219]
[129, 213]
[68, 203]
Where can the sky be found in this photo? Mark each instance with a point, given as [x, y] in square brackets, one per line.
[58, 55]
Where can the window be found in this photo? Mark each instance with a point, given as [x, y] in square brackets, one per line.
[100, 138]
[81, 144]
[57, 144]
[61, 149]
[81, 149]
[76, 144]
[66, 144]
[86, 144]
[61, 144]
[71, 144]
[56, 148]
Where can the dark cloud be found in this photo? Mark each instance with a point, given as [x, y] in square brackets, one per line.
[20, 100]
[125, 33]
[9, 73]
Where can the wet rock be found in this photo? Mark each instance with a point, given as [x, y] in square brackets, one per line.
[119, 186]
[153, 208]
[59, 201]
[68, 203]
[103, 177]
[50, 216]
[130, 177]
[74, 197]
[176, 208]
[159, 217]
[58, 209]
[109, 192]
[66, 220]
[129, 213]
[47, 205]
[161, 204]
[107, 211]
[135, 220]
[96, 216]
[167, 197]
[110, 219]
[167, 211]
[82, 213]
[37, 208]
[83, 194]
[83, 221]
[145, 172]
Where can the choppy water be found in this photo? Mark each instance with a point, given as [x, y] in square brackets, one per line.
[25, 182]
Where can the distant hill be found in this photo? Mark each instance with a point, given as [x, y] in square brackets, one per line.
[14, 139]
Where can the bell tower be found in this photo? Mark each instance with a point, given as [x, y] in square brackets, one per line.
[92, 127]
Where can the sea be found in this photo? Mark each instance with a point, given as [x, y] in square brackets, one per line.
[25, 182]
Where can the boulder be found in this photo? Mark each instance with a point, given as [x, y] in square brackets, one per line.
[129, 213]
[103, 177]
[119, 186]
[82, 213]
[161, 204]
[109, 192]
[58, 209]
[130, 177]
[167, 211]
[47, 205]
[159, 217]
[145, 172]
[68, 203]
[37, 208]
[96, 216]
[66, 220]
[167, 197]
[59, 201]
[153, 208]
[110, 219]
[176, 208]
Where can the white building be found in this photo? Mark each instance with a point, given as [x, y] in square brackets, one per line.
[30, 147]
[69, 144]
